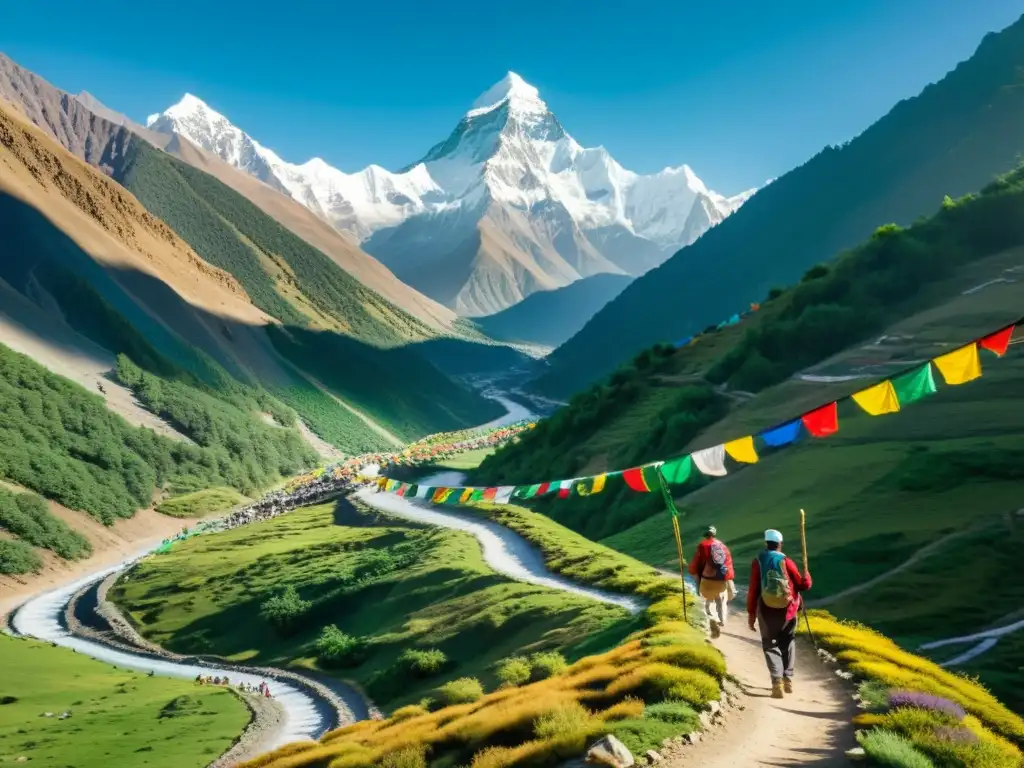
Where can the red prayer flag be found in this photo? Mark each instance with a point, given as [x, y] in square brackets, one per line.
[998, 342]
[544, 488]
[635, 479]
[490, 493]
[822, 422]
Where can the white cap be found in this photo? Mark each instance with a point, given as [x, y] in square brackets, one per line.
[772, 535]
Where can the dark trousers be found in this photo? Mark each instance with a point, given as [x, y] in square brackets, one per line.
[778, 640]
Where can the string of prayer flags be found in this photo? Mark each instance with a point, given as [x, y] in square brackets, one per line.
[911, 387]
[960, 365]
[784, 434]
[878, 400]
[678, 470]
[642, 479]
[742, 450]
[588, 486]
[822, 422]
[711, 461]
[998, 342]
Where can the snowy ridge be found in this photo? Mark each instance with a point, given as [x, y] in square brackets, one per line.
[509, 203]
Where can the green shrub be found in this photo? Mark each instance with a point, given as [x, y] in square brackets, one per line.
[464, 690]
[336, 649]
[874, 695]
[423, 663]
[547, 664]
[18, 557]
[673, 711]
[643, 734]
[891, 750]
[514, 671]
[285, 610]
[28, 517]
[565, 720]
[410, 757]
[409, 712]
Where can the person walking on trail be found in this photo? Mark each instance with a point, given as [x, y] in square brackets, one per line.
[712, 567]
[773, 602]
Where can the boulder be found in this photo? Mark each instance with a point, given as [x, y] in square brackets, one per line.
[611, 752]
[856, 754]
[653, 757]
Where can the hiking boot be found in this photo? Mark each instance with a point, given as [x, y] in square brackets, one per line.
[777, 689]
[787, 685]
[716, 629]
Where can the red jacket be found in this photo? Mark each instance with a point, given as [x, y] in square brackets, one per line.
[703, 555]
[796, 579]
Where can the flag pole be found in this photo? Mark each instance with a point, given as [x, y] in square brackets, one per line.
[674, 514]
[682, 564]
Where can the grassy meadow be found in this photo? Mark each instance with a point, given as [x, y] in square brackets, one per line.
[117, 717]
[389, 587]
[200, 503]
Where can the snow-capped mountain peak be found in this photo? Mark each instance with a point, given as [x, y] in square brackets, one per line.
[508, 181]
[511, 89]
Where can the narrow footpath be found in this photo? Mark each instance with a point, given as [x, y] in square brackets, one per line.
[812, 726]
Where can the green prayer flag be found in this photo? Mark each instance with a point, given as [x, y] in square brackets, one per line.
[914, 385]
[670, 503]
[477, 494]
[678, 470]
[527, 491]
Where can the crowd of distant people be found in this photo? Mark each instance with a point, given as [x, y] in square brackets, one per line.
[262, 689]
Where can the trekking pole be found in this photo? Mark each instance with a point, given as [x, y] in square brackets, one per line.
[803, 548]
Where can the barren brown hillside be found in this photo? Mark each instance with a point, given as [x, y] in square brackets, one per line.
[108, 222]
[85, 127]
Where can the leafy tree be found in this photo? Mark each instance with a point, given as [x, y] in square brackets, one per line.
[285, 610]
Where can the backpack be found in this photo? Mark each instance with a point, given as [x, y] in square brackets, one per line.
[717, 566]
[776, 591]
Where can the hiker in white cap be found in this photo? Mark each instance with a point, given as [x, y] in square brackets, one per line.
[711, 566]
[773, 602]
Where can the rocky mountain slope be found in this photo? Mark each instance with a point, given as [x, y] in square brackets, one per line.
[951, 139]
[507, 205]
[99, 136]
[91, 273]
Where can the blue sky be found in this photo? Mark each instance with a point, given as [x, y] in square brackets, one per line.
[741, 90]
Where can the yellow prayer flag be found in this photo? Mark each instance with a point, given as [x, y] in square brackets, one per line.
[441, 495]
[879, 399]
[464, 498]
[961, 365]
[742, 450]
[598, 485]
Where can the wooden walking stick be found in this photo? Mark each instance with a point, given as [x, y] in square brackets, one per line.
[803, 548]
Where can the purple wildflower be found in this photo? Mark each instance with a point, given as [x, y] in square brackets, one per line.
[956, 735]
[920, 700]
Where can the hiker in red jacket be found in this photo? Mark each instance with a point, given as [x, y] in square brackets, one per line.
[773, 601]
[711, 566]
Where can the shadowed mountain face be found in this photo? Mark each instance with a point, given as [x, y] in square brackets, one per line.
[952, 139]
[102, 138]
[107, 277]
[549, 318]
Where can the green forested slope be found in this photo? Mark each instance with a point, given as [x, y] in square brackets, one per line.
[951, 139]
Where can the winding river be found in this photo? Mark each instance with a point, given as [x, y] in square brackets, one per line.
[307, 715]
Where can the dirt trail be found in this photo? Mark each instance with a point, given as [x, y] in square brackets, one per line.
[810, 727]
